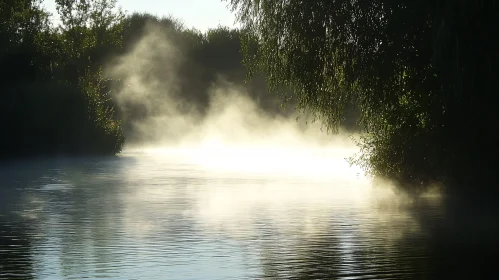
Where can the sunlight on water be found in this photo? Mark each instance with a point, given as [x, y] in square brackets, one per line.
[291, 188]
[225, 212]
[312, 163]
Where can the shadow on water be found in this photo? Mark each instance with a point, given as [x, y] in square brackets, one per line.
[463, 244]
[348, 255]
[15, 240]
[41, 192]
[15, 251]
[457, 240]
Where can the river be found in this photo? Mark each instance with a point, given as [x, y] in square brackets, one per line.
[238, 214]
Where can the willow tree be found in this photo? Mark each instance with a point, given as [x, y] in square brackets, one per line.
[332, 54]
[418, 71]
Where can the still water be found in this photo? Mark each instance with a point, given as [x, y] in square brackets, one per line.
[223, 215]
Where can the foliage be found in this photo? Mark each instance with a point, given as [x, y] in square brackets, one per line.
[53, 99]
[421, 76]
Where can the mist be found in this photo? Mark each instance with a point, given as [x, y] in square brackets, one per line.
[159, 112]
[229, 125]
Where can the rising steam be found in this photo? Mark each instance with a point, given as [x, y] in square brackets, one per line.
[150, 73]
[159, 116]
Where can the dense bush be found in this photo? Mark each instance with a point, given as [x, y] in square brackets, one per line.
[53, 98]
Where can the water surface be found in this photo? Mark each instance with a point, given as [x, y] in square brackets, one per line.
[235, 215]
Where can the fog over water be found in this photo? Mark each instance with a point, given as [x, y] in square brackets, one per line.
[176, 213]
[170, 117]
[231, 130]
[228, 192]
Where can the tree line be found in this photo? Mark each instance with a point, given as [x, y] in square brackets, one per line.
[419, 76]
[56, 98]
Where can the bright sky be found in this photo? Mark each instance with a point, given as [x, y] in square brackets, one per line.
[200, 14]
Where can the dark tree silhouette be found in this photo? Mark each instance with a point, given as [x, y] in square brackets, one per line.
[54, 100]
[421, 73]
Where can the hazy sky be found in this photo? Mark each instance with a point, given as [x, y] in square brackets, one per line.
[201, 14]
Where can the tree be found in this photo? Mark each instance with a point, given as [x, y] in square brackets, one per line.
[410, 67]
[90, 31]
[53, 98]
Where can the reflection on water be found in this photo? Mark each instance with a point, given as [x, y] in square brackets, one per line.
[171, 215]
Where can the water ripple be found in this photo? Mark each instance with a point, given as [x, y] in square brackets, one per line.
[136, 218]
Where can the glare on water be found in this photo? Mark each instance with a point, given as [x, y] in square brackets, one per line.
[213, 212]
